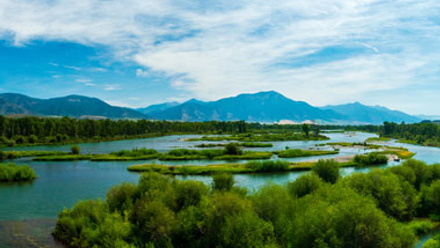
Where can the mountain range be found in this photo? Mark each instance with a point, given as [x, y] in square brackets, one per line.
[272, 106]
[71, 106]
[267, 107]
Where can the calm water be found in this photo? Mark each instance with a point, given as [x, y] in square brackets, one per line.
[62, 184]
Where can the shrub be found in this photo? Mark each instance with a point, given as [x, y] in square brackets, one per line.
[222, 182]
[269, 165]
[370, 159]
[395, 197]
[33, 139]
[304, 185]
[327, 170]
[75, 150]
[20, 139]
[11, 143]
[120, 198]
[15, 173]
[233, 149]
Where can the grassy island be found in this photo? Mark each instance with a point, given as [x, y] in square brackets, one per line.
[297, 153]
[245, 144]
[233, 168]
[15, 173]
[269, 137]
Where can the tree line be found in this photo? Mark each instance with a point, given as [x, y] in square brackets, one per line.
[419, 133]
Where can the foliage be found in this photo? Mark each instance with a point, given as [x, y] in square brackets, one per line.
[395, 197]
[327, 170]
[165, 212]
[14, 173]
[75, 150]
[268, 166]
[222, 182]
[304, 185]
[295, 153]
[370, 159]
[233, 149]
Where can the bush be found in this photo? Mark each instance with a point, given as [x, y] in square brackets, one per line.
[327, 170]
[33, 139]
[269, 165]
[223, 182]
[370, 159]
[15, 173]
[75, 150]
[395, 197]
[233, 149]
[20, 139]
[11, 143]
[120, 198]
[304, 185]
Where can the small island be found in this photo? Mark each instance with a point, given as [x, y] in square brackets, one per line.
[15, 173]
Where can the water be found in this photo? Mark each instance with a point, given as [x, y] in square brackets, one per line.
[61, 184]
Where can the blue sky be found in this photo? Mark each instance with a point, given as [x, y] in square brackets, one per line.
[136, 53]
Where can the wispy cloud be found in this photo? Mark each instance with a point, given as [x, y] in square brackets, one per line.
[83, 80]
[228, 47]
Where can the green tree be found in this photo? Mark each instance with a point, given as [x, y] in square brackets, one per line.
[75, 149]
[327, 170]
[223, 182]
[306, 129]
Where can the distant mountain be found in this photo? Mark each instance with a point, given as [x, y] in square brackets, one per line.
[429, 117]
[356, 112]
[72, 106]
[157, 107]
[259, 107]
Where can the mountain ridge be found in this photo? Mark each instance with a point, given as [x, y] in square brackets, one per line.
[72, 106]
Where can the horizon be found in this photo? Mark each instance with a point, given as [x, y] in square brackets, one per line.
[378, 53]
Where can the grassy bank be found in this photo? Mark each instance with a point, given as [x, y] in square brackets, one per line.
[296, 153]
[14, 173]
[377, 139]
[269, 137]
[245, 144]
[233, 168]
[21, 154]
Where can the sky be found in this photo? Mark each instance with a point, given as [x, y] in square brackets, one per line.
[139, 52]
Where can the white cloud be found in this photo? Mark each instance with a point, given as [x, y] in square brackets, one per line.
[238, 46]
[141, 73]
[83, 80]
[111, 87]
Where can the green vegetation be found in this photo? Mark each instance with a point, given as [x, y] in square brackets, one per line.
[377, 139]
[75, 150]
[249, 167]
[266, 137]
[296, 153]
[422, 226]
[347, 144]
[246, 144]
[21, 154]
[403, 154]
[14, 173]
[327, 170]
[427, 134]
[382, 208]
[373, 158]
[265, 166]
